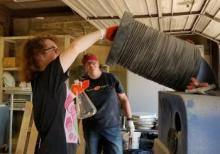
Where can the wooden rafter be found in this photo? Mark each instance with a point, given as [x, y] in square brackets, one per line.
[206, 36]
[201, 13]
[210, 20]
[148, 12]
[171, 15]
[55, 11]
[190, 10]
[159, 11]
[165, 15]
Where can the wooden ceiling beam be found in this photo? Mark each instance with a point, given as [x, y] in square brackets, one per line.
[206, 36]
[171, 15]
[149, 13]
[205, 4]
[190, 10]
[159, 10]
[178, 32]
[165, 15]
[53, 11]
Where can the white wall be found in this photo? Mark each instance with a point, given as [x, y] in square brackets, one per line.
[143, 93]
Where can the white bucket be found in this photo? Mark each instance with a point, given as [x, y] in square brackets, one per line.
[132, 143]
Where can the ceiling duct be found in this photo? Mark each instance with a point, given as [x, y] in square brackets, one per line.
[156, 56]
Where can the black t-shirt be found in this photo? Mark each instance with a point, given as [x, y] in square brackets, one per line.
[49, 97]
[103, 93]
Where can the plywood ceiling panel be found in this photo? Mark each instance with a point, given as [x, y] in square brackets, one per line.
[197, 5]
[155, 23]
[202, 23]
[213, 7]
[166, 24]
[138, 7]
[107, 7]
[166, 6]
[193, 16]
[217, 16]
[92, 6]
[190, 22]
[152, 6]
[117, 8]
[181, 6]
[212, 29]
[178, 23]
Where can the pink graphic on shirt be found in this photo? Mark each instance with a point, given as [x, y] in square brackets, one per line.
[70, 122]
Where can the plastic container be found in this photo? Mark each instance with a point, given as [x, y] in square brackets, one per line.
[85, 107]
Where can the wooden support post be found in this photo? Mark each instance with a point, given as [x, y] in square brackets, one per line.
[33, 139]
[28, 134]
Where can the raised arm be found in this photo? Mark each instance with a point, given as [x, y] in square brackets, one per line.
[76, 47]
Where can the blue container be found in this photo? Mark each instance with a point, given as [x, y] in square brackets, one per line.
[4, 124]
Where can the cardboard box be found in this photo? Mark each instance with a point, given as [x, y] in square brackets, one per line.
[9, 62]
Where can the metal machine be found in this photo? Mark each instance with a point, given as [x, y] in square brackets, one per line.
[188, 123]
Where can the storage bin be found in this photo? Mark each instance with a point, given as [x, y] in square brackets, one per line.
[4, 124]
[9, 62]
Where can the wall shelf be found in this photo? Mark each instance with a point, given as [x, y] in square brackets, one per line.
[11, 69]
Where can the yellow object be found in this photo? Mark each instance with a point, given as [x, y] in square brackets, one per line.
[9, 62]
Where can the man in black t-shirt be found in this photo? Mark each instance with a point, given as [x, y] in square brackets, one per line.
[102, 131]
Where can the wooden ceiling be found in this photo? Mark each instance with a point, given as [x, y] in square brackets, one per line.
[34, 8]
[171, 16]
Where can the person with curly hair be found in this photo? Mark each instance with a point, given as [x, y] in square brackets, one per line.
[46, 67]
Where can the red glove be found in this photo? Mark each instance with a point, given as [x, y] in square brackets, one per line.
[78, 88]
[111, 32]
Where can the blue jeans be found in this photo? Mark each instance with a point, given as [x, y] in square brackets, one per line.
[106, 140]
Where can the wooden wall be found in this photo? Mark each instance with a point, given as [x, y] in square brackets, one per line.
[72, 25]
[5, 21]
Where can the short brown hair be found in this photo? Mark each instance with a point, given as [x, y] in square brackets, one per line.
[32, 48]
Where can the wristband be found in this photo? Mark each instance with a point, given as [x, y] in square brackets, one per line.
[129, 118]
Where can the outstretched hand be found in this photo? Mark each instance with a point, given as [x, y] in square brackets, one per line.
[195, 83]
[111, 32]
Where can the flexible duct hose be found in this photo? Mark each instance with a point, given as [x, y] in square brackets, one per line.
[156, 56]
